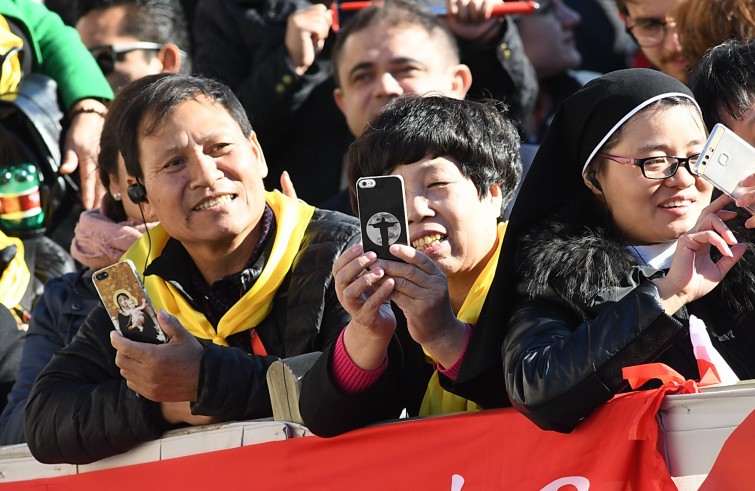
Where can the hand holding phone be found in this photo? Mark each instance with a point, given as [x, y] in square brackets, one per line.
[127, 303]
[725, 160]
[382, 214]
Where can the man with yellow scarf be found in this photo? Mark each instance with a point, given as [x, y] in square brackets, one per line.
[460, 164]
[239, 276]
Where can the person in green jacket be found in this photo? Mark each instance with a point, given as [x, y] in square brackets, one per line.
[55, 50]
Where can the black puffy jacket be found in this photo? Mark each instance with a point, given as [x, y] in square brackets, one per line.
[63, 308]
[586, 309]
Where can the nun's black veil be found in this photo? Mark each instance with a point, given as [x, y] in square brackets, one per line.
[582, 124]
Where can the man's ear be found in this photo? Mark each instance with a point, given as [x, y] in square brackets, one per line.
[144, 205]
[170, 57]
[624, 18]
[338, 97]
[461, 81]
[257, 149]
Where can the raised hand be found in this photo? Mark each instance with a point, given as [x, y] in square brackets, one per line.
[473, 20]
[364, 291]
[306, 32]
[693, 273]
[287, 185]
[421, 291]
[81, 147]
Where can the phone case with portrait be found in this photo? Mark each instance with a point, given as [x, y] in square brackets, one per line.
[382, 214]
[725, 160]
[126, 301]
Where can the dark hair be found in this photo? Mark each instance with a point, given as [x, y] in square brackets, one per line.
[143, 104]
[107, 165]
[156, 21]
[395, 13]
[724, 80]
[479, 136]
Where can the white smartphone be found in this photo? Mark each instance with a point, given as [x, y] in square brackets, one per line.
[382, 214]
[725, 160]
[126, 301]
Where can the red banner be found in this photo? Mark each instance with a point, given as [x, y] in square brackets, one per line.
[731, 471]
[614, 449]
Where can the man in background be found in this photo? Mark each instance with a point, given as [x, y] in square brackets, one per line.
[653, 26]
[133, 38]
[398, 48]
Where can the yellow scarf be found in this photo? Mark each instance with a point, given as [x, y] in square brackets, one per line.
[15, 278]
[437, 400]
[292, 218]
[10, 46]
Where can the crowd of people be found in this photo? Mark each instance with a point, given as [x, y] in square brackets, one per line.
[557, 231]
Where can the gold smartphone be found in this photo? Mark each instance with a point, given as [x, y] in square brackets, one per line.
[127, 303]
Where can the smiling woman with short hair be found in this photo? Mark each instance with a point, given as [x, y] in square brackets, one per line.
[460, 165]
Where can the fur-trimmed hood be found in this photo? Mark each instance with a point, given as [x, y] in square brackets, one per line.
[580, 255]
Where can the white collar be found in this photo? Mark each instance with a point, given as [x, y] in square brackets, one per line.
[658, 256]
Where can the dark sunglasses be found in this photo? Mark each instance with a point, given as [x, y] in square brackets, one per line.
[108, 55]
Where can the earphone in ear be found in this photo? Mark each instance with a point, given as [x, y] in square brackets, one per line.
[137, 193]
[592, 177]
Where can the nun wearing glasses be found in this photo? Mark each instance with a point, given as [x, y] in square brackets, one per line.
[615, 252]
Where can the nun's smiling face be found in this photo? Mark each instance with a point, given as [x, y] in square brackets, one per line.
[650, 211]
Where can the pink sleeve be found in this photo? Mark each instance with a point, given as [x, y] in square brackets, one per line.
[349, 378]
[453, 371]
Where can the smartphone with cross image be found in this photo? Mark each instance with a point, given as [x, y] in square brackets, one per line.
[382, 214]
[725, 160]
[127, 303]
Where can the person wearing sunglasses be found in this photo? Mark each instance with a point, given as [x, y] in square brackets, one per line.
[652, 25]
[130, 39]
[614, 253]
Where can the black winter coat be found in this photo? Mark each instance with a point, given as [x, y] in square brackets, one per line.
[329, 412]
[586, 309]
[63, 308]
[81, 410]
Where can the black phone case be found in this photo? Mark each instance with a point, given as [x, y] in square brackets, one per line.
[121, 279]
[382, 214]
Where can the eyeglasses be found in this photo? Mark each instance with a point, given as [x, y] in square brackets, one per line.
[650, 32]
[661, 167]
[108, 55]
